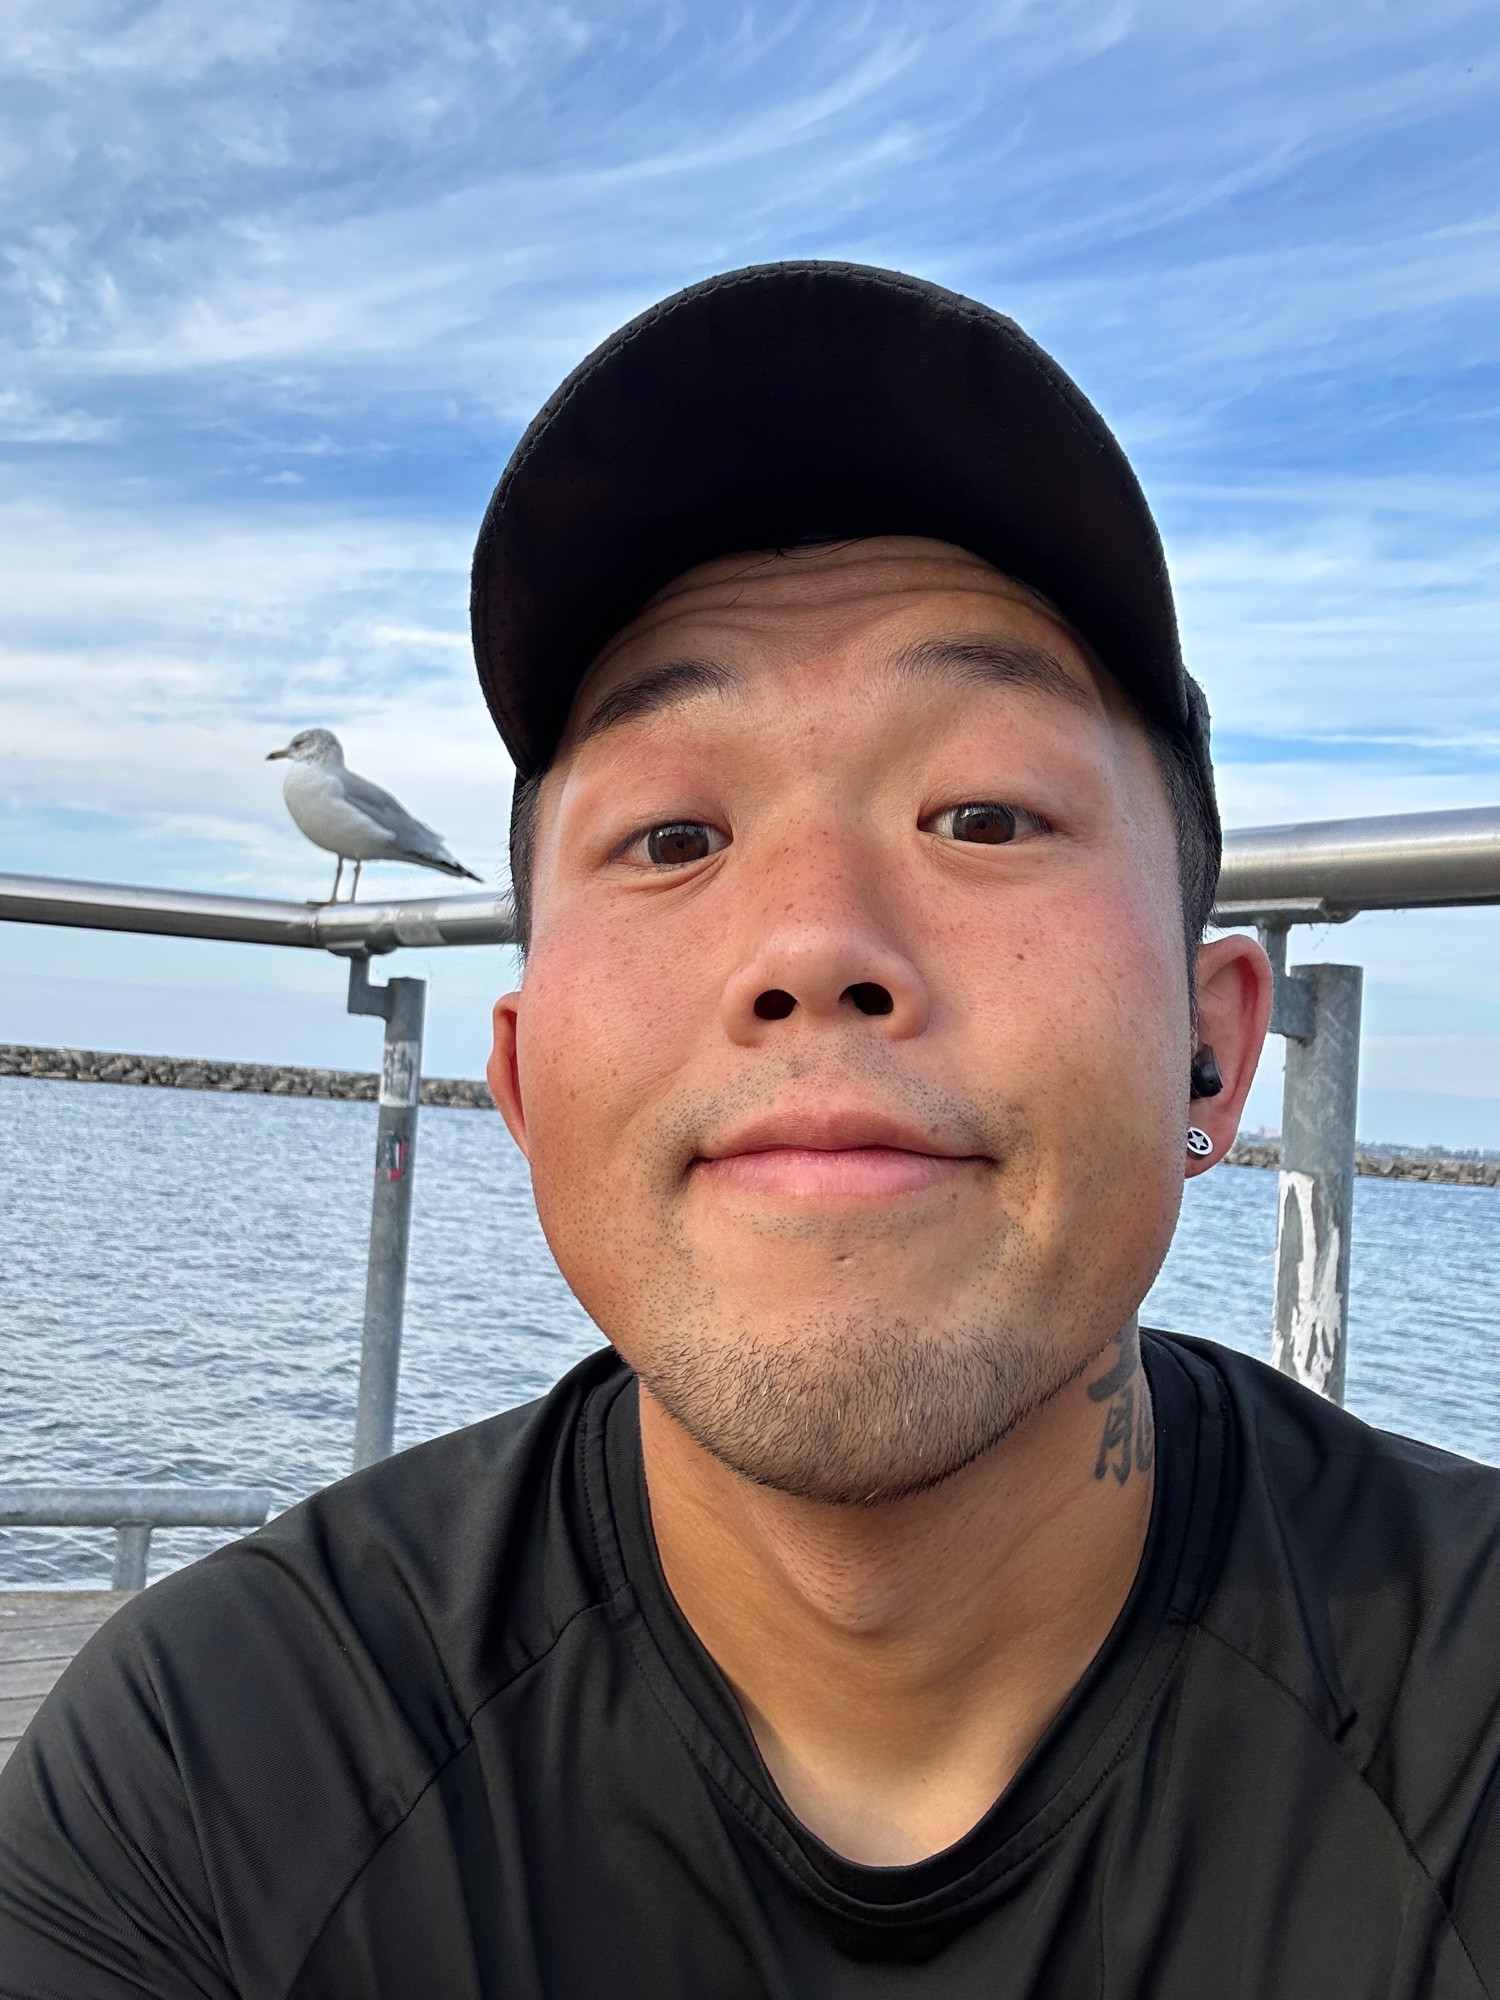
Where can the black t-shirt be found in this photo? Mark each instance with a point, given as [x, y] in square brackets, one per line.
[441, 1733]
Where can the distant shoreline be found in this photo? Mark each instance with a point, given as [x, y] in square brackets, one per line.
[260, 1079]
[1437, 1167]
[472, 1094]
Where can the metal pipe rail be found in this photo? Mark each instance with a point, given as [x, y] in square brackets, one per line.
[133, 1511]
[1318, 872]
[338, 927]
[1325, 871]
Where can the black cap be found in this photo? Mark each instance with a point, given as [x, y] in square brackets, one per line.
[791, 400]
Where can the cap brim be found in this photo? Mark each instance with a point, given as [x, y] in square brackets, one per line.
[808, 398]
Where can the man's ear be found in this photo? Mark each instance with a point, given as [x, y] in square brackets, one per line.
[504, 1077]
[1234, 1008]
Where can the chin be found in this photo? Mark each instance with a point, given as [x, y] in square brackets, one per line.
[853, 1409]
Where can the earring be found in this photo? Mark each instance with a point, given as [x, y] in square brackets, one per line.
[1198, 1143]
[1204, 1079]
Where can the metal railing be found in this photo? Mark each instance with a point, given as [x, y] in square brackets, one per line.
[1328, 871]
[1273, 878]
[133, 1512]
[1325, 871]
[338, 927]
[1322, 871]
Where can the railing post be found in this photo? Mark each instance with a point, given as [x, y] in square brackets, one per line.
[401, 1002]
[132, 1511]
[1317, 1008]
[132, 1550]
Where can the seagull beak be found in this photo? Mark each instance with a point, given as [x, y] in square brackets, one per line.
[274, 754]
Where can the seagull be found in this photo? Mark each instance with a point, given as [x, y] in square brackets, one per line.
[349, 816]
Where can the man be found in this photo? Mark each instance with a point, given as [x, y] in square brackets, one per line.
[882, 1613]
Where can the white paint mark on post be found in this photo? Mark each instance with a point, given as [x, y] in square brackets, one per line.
[400, 1073]
[1309, 1342]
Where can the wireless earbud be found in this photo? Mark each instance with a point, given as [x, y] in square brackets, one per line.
[1204, 1079]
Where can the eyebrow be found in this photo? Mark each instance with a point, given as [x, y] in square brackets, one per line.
[992, 662]
[989, 662]
[667, 686]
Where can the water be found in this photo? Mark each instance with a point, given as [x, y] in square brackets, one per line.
[1424, 1304]
[182, 1288]
[182, 1283]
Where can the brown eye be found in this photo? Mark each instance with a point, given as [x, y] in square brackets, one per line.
[987, 824]
[672, 846]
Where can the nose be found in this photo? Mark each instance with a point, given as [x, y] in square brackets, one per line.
[830, 959]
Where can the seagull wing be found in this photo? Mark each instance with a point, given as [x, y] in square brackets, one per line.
[415, 841]
[388, 813]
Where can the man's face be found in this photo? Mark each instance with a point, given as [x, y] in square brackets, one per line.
[851, 1054]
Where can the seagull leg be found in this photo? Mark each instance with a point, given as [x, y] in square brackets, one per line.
[338, 877]
[355, 890]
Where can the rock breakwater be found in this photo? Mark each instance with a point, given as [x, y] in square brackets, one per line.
[1439, 1167]
[470, 1094]
[264, 1079]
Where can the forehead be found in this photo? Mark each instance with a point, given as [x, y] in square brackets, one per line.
[875, 598]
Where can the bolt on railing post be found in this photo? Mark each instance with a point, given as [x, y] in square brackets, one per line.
[1317, 1008]
[402, 1003]
[132, 1551]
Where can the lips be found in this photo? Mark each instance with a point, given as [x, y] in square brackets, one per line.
[831, 1152]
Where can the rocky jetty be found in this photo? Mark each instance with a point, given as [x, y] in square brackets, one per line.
[470, 1094]
[1447, 1168]
[265, 1079]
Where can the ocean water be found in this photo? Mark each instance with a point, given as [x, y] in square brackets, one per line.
[182, 1287]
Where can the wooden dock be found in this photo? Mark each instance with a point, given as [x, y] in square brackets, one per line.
[40, 1631]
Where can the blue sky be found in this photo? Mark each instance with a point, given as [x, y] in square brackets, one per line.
[280, 287]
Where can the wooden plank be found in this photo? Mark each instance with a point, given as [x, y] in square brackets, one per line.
[16, 1711]
[30, 1607]
[40, 1631]
[46, 1642]
[30, 1677]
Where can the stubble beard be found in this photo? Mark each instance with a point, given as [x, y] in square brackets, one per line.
[860, 1411]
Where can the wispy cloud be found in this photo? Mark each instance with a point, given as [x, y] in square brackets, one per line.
[151, 665]
[25, 419]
